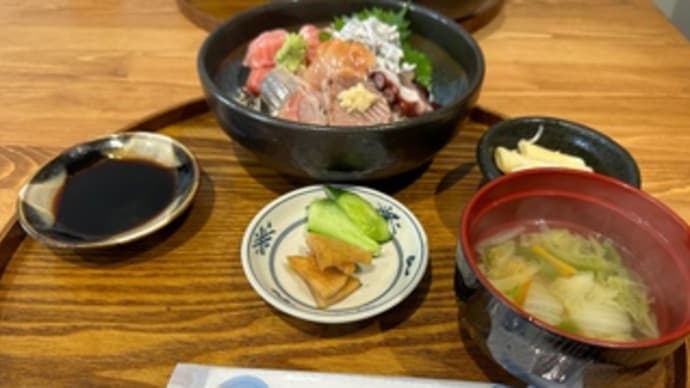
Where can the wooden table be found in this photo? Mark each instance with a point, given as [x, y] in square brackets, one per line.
[72, 70]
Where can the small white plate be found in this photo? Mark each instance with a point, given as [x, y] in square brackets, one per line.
[278, 230]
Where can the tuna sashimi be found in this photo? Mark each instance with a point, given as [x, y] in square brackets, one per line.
[262, 50]
[256, 78]
[311, 34]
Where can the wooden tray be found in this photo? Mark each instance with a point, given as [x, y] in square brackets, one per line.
[125, 317]
[472, 14]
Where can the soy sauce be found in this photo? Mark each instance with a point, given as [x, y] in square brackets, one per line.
[113, 195]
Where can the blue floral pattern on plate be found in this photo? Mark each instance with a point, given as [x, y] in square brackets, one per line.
[409, 260]
[390, 215]
[263, 238]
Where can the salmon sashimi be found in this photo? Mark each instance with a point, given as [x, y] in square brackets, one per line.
[262, 50]
[311, 34]
[338, 55]
[343, 54]
[256, 78]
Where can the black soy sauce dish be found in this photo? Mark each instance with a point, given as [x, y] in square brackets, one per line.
[599, 151]
[109, 191]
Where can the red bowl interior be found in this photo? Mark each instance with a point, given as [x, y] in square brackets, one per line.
[657, 241]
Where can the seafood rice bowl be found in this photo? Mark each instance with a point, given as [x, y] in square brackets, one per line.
[360, 69]
[341, 91]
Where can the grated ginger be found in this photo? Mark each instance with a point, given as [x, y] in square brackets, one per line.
[357, 98]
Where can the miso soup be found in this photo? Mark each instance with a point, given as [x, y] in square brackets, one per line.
[576, 282]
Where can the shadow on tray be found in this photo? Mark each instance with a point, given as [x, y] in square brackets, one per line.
[281, 183]
[386, 321]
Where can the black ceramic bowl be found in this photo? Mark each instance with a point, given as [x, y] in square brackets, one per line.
[341, 153]
[599, 151]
